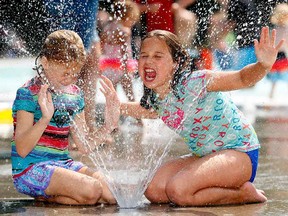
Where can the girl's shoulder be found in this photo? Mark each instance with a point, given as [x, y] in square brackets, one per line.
[32, 86]
[26, 96]
[190, 76]
[193, 83]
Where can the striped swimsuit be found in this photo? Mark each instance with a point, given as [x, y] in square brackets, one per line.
[32, 173]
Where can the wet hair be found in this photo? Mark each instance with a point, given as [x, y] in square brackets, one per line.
[64, 46]
[179, 56]
[125, 10]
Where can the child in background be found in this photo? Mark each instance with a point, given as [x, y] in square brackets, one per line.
[49, 108]
[223, 143]
[279, 70]
[116, 61]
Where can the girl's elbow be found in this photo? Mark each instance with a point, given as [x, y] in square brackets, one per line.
[150, 114]
[20, 151]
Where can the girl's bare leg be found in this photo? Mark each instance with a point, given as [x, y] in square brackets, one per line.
[156, 191]
[73, 188]
[216, 179]
[107, 196]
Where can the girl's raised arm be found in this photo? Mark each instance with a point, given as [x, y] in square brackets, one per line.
[266, 53]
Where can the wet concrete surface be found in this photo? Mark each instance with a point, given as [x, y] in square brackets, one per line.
[29, 207]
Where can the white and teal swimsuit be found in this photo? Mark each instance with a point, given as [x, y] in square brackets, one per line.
[207, 121]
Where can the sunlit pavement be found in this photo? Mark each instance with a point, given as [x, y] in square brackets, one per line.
[269, 116]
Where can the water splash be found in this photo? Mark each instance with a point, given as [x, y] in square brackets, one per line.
[129, 166]
[13, 45]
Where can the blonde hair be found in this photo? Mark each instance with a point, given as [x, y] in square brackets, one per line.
[64, 46]
[126, 10]
[278, 16]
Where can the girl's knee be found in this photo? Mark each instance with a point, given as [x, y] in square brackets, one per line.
[155, 193]
[178, 194]
[92, 194]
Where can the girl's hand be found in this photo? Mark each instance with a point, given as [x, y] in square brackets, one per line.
[265, 49]
[112, 110]
[45, 102]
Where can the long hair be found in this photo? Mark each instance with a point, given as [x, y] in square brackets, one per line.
[179, 55]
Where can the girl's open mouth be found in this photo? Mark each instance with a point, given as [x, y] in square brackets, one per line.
[149, 75]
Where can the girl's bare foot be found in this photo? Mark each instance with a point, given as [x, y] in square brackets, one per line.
[251, 194]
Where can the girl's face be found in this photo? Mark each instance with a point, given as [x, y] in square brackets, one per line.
[61, 75]
[156, 65]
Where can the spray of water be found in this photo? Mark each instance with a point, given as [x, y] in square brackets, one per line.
[127, 166]
[12, 44]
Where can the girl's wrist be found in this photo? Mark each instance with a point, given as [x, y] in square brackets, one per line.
[44, 120]
[267, 68]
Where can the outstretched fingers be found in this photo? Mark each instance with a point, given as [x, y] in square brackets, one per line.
[106, 86]
[264, 37]
[280, 44]
[267, 40]
[256, 44]
[45, 102]
[265, 48]
[273, 37]
[112, 110]
[44, 94]
[273, 40]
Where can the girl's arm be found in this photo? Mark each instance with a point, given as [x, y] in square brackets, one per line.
[85, 140]
[79, 133]
[266, 54]
[114, 108]
[27, 135]
[135, 110]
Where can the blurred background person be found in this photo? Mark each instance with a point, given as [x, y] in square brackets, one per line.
[202, 57]
[156, 14]
[116, 20]
[116, 61]
[279, 71]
